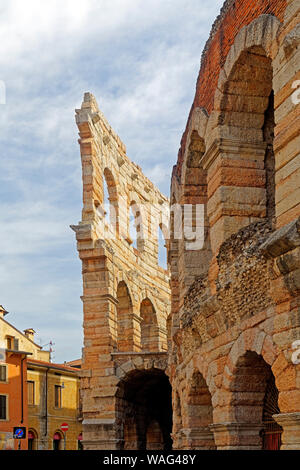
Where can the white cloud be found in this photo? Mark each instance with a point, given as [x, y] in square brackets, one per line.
[141, 60]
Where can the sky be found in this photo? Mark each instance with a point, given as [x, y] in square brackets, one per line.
[140, 58]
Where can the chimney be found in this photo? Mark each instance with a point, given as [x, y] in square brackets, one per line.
[3, 312]
[29, 333]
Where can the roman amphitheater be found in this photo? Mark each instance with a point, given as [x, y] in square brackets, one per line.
[205, 355]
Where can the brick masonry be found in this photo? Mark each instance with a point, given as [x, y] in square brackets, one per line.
[235, 318]
[223, 323]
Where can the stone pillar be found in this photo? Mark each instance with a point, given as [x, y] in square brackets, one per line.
[237, 436]
[200, 438]
[290, 422]
[236, 187]
[100, 434]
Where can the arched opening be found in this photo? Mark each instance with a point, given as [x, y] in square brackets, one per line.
[136, 229]
[254, 402]
[194, 247]
[162, 247]
[145, 410]
[149, 327]
[173, 262]
[79, 442]
[199, 415]
[57, 441]
[110, 202]
[269, 163]
[272, 431]
[32, 439]
[127, 339]
[246, 120]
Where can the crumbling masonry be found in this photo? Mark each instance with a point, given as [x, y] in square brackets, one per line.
[205, 358]
[126, 296]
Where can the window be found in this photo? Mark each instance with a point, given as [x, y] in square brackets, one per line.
[32, 440]
[79, 441]
[57, 397]
[30, 385]
[12, 343]
[3, 373]
[3, 407]
[162, 249]
[57, 440]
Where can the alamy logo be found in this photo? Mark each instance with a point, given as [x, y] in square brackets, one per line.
[296, 94]
[186, 222]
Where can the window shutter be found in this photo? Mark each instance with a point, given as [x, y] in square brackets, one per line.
[2, 373]
[2, 406]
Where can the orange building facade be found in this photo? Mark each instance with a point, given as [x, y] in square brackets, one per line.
[13, 398]
[36, 394]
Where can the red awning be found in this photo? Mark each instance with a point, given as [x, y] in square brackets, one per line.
[57, 436]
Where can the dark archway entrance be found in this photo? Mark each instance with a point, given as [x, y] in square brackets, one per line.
[255, 401]
[199, 415]
[145, 410]
[271, 433]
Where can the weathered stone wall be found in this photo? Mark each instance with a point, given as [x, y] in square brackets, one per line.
[234, 15]
[235, 311]
[229, 344]
[126, 294]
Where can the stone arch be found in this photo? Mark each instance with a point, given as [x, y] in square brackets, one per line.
[142, 363]
[247, 72]
[198, 416]
[57, 440]
[239, 139]
[173, 255]
[144, 410]
[254, 340]
[250, 399]
[242, 401]
[32, 439]
[163, 243]
[149, 326]
[146, 294]
[126, 338]
[139, 221]
[193, 246]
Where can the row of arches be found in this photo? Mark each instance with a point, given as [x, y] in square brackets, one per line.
[137, 227]
[137, 332]
[57, 440]
[228, 163]
[150, 416]
[249, 402]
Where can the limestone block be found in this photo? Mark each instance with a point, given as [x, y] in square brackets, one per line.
[291, 41]
[262, 32]
[246, 200]
[285, 70]
[292, 9]
[289, 202]
[235, 51]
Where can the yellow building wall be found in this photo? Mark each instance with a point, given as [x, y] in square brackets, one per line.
[68, 413]
[25, 344]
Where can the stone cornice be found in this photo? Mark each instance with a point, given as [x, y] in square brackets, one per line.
[233, 146]
[282, 240]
